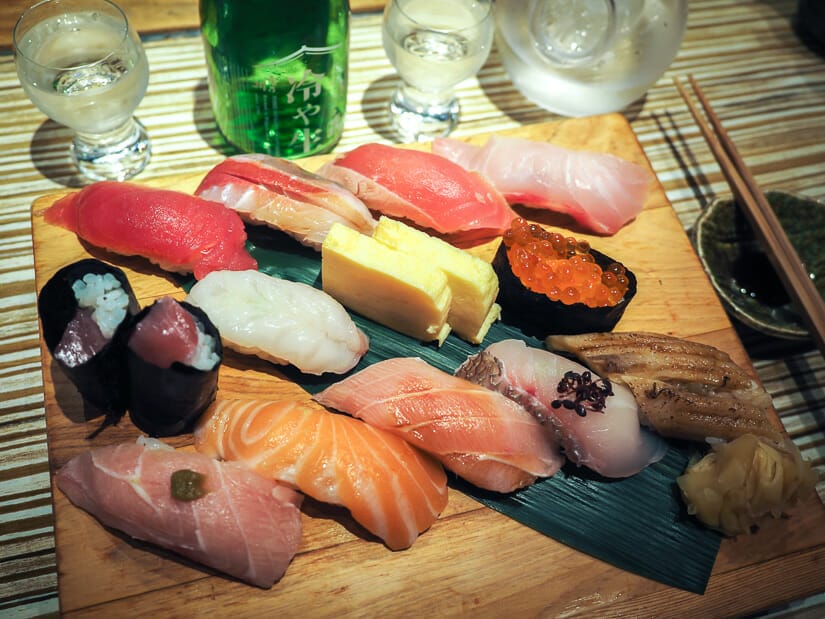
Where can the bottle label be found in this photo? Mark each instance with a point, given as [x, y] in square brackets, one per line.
[298, 81]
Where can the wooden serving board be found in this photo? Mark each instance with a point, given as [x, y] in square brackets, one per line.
[472, 559]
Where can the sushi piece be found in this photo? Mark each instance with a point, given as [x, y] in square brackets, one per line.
[391, 489]
[478, 434]
[472, 281]
[176, 231]
[423, 188]
[282, 321]
[280, 194]
[553, 284]
[84, 310]
[219, 514]
[684, 389]
[174, 354]
[740, 483]
[595, 422]
[601, 192]
[387, 286]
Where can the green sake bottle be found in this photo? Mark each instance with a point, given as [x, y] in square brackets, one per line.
[277, 73]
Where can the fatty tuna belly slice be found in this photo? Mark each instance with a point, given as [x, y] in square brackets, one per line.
[600, 191]
[478, 434]
[176, 231]
[423, 188]
[393, 490]
[608, 439]
[244, 525]
[278, 193]
[282, 321]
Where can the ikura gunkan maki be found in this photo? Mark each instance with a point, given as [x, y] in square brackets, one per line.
[173, 356]
[84, 310]
[550, 283]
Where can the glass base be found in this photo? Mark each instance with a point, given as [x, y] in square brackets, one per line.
[115, 156]
[416, 120]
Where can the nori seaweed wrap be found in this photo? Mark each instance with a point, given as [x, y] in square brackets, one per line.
[537, 315]
[167, 397]
[89, 347]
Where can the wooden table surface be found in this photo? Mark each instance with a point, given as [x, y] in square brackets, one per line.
[768, 88]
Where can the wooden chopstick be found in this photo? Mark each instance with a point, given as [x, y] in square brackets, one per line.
[765, 223]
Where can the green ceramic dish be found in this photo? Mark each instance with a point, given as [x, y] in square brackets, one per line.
[741, 272]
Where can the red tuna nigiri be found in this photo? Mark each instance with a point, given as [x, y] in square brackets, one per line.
[393, 490]
[601, 192]
[281, 194]
[176, 231]
[421, 187]
[244, 524]
[479, 434]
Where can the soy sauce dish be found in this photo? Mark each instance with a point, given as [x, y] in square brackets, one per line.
[741, 272]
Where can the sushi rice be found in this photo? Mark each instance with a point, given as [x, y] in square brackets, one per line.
[204, 357]
[106, 297]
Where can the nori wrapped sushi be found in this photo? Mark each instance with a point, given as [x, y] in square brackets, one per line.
[537, 315]
[85, 309]
[174, 353]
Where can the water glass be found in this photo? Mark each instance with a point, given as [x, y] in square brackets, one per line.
[82, 65]
[434, 45]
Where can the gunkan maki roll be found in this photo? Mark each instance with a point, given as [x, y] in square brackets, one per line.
[552, 284]
[84, 310]
[174, 353]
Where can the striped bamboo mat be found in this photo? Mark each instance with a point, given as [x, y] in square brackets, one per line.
[768, 89]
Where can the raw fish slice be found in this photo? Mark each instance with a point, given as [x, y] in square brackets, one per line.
[245, 525]
[600, 191]
[393, 490]
[610, 442]
[478, 434]
[281, 194]
[167, 334]
[176, 231]
[423, 188]
[282, 321]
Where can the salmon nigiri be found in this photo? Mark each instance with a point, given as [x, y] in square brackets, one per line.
[479, 434]
[392, 489]
[423, 188]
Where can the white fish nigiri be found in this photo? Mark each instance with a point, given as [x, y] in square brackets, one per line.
[237, 521]
[282, 321]
[269, 190]
[596, 430]
[601, 192]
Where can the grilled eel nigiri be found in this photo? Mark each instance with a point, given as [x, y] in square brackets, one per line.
[684, 389]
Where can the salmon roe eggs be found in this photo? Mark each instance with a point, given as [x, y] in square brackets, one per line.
[562, 268]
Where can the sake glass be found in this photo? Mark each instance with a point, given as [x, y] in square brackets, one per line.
[434, 45]
[82, 65]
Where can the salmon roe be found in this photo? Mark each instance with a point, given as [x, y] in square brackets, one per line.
[562, 268]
